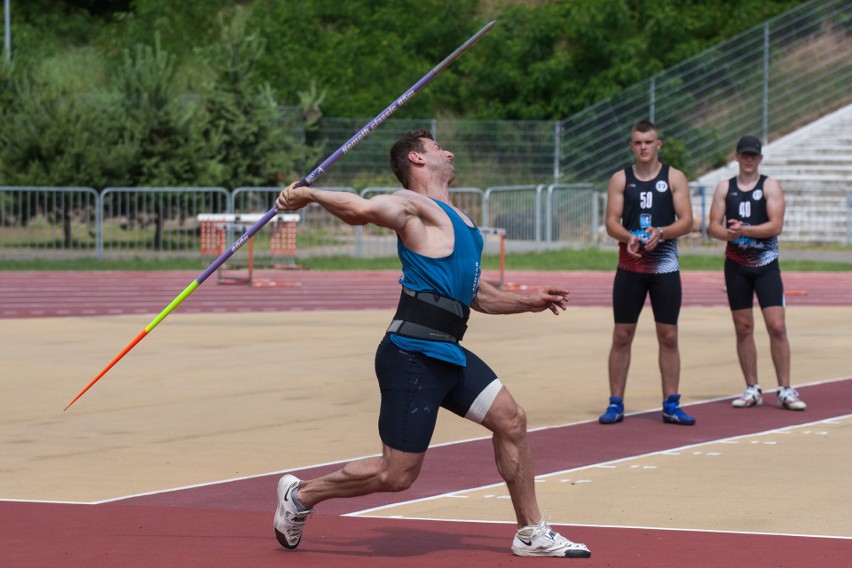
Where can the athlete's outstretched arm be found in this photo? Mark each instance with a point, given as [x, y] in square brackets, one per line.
[383, 210]
[492, 300]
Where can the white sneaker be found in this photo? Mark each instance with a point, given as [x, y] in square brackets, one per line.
[753, 396]
[541, 540]
[789, 399]
[289, 520]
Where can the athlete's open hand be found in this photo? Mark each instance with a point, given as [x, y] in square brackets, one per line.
[550, 298]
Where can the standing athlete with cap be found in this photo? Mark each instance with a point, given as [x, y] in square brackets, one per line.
[420, 364]
[753, 205]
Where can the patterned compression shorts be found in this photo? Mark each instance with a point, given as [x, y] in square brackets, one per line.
[414, 386]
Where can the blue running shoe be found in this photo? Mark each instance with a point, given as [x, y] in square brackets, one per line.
[674, 414]
[614, 412]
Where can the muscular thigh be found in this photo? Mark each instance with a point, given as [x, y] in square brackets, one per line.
[769, 287]
[629, 291]
[474, 394]
[666, 297]
[414, 387]
[744, 282]
[739, 286]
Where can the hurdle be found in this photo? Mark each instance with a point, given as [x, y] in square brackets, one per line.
[215, 230]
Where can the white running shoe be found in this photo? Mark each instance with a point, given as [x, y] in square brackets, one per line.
[789, 399]
[753, 396]
[289, 520]
[541, 540]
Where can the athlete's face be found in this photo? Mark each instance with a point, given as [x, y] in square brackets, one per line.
[749, 162]
[645, 145]
[438, 160]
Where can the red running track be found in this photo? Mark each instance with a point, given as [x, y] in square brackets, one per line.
[58, 294]
[229, 524]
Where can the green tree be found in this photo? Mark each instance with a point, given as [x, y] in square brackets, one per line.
[254, 141]
[182, 26]
[53, 137]
[550, 60]
[545, 59]
[173, 150]
[361, 52]
[168, 126]
[7, 92]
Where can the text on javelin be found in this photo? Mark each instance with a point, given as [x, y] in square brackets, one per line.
[377, 121]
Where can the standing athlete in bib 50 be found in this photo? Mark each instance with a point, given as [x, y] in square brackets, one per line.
[647, 209]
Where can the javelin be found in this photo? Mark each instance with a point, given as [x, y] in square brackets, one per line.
[306, 181]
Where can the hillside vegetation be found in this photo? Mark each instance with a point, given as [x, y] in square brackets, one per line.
[165, 93]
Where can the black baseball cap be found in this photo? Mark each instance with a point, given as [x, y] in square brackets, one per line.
[749, 145]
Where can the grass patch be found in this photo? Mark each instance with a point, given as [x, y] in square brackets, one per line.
[568, 259]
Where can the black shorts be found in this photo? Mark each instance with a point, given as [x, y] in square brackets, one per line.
[743, 282]
[414, 386]
[631, 288]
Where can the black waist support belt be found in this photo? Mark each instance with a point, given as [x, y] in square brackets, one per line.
[426, 315]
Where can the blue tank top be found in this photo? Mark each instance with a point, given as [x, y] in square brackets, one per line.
[455, 276]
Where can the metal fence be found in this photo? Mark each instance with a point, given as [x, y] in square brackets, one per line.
[78, 222]
[154, 221]
[767, 81]
[487, 152]
[48, 222]
[57, 222]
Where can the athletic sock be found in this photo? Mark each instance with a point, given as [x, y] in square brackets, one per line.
[299, 507]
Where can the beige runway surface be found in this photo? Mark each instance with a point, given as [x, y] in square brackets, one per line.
[784, 481]
[211, 397]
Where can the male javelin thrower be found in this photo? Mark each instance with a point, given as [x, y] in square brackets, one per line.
[420, 364]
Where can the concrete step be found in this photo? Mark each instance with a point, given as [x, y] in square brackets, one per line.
[834, 193]
[836, 169]
[813, 148]
[812, 178]
[808, 160]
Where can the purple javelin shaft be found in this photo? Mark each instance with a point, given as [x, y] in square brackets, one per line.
[393, 107]
[273, 212]
[351, 143]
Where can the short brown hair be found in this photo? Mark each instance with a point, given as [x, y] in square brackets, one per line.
[643, 125]
[398, 157]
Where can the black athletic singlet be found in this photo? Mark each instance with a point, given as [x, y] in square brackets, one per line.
[648, 204]
[749, 207]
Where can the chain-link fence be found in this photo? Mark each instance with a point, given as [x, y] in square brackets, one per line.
[538, 178]
[51, 223]
[487, 152]
[767, 81]
[48, 222]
